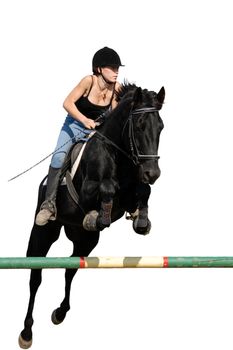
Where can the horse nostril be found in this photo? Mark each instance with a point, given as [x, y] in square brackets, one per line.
[150, 176]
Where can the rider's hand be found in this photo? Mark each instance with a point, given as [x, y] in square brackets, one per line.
[89, 123]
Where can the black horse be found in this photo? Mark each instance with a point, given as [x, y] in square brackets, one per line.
[119, 163]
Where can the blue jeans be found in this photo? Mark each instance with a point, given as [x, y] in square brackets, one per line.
[71, 131]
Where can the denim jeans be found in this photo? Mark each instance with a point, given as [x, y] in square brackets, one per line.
[71, 131]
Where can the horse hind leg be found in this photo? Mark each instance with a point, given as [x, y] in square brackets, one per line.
[42, 237]
[82, 247]
[25, 338]
[59, 314]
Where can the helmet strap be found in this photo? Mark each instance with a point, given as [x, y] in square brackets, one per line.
[104, 79]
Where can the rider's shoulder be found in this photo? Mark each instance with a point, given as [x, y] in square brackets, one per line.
[87, 80]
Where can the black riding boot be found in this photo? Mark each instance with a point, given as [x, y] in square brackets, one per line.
[48, 210]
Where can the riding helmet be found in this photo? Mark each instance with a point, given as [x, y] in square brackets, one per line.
[106, 57]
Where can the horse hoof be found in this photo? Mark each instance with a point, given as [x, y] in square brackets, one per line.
[142, 230]
[89, 222]
[24, 344]
[54, 318]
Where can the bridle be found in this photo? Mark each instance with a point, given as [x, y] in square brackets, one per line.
[135, 154]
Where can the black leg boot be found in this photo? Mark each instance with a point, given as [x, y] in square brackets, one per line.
[48, 210]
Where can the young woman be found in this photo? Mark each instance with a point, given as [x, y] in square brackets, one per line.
[92, 97]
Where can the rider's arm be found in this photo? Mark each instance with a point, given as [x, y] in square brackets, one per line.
[69, 104]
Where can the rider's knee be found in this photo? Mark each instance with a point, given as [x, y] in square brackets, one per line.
[58, 160]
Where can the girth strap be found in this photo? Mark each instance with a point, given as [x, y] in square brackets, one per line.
[72, 191]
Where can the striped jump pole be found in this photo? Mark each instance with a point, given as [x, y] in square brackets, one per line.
[116, 262]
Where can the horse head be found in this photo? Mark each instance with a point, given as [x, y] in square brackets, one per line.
[144, 127]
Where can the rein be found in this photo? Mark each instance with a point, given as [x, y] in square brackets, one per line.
[110, 142]
[135, 157]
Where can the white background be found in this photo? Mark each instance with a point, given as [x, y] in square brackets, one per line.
[46, 48]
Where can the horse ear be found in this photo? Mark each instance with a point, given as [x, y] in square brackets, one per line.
[161, 95]
[137, 97]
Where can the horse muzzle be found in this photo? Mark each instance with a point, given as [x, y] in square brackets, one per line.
[149, 174]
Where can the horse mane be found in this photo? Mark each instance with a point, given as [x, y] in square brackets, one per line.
[150, 98]
[127, 93]
[126, 90]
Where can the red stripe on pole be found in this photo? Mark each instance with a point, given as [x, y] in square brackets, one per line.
[82, 262]
[165, 261]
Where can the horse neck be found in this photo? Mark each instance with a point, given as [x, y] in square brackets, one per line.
[115, 123]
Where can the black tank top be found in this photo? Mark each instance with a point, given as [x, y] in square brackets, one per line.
[89, 109]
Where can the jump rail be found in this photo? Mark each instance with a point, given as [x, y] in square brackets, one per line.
[116, 262]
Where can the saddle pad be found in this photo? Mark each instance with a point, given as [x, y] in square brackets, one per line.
[77, 161]
[77, 155]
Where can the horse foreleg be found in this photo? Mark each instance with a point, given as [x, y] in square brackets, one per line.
[104, 217]
[107, 192]
[97, 221]
[141, 222]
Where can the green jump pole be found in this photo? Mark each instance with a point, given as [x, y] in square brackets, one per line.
[116, 262]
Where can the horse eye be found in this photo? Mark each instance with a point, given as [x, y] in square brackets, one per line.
[141, 124]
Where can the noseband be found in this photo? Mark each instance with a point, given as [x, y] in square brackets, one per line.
[135, 155]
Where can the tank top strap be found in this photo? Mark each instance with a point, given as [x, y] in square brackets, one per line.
[92, 81]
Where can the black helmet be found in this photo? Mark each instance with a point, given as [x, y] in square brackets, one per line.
[106, 57]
